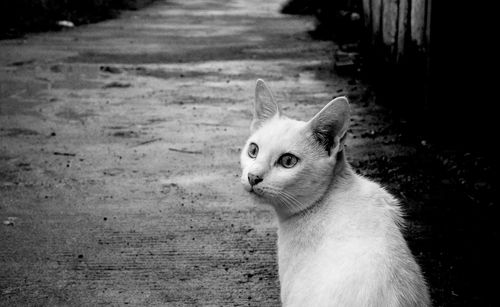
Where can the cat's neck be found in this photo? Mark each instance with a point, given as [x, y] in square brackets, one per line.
[343, 175]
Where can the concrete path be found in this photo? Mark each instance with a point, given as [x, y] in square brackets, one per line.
[119, 156]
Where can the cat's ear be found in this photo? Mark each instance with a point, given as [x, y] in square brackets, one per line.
[330, 125]
[265, 107]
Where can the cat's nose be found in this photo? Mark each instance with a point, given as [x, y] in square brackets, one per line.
[254, 179]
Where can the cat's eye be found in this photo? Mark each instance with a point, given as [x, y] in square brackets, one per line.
[253, 150]
[288, 160]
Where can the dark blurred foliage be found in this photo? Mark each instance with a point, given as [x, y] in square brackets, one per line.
[20, 16]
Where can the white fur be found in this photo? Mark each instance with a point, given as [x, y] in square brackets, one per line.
[339, 237]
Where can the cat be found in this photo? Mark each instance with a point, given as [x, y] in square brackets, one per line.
[339, 236]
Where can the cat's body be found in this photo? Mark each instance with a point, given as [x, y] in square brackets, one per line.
[349, 251]
[339, 237]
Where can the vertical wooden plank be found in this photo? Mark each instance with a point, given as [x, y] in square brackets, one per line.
[427, 44]
[417, 22]
[367, 13]
[376, 18]
[428, 23]
[389, 26]
[403, 32]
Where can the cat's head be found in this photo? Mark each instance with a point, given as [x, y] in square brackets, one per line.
[290, 163]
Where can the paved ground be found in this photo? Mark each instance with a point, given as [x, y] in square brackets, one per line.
[119, 157]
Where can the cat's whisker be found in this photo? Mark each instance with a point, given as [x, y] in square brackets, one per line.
[277, 195]
[288, 200]
[274, 194]
[283, 202]
[295, 202]
[287, 204]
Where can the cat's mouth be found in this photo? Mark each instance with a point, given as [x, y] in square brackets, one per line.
[257, 191]
[248, 188]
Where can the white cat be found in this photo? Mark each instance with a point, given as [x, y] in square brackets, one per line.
[339, 237]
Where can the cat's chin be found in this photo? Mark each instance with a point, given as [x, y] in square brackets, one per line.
[248, 188]
[257, 195]
[257, 191]
[260, 197]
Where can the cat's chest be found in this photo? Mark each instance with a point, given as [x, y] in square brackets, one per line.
[315, 274]
[304, 251]
[302, 258]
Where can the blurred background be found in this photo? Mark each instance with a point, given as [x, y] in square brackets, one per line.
[121, 123]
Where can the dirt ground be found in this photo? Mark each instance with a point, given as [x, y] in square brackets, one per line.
[119, 161]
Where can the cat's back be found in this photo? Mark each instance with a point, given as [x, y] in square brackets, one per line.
[373, 252]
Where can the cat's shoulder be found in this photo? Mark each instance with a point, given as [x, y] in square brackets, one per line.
[371, 187]
[376, 194]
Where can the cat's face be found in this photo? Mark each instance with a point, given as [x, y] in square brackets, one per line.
[285, 162]
[281, 165]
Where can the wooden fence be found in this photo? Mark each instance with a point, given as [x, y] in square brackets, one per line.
[429, 60]
[397, 28]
